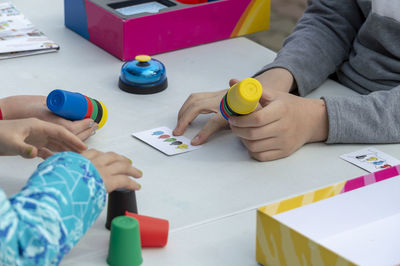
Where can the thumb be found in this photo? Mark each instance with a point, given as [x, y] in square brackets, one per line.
[233, 82]
[268, 96]
[27, 151]
[44, 153]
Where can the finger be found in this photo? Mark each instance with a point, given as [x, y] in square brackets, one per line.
[262, 117]
[65, 136]
[186, 104]
[124, 168]
[27, 151]
[213, 125]
[194, 97]
[123, 181]
[109, 158]
[55, 145]
[190, 114]
[233, 82]
[257, 133]
[58, 146]
[44, 153]
[202, 102]
[257, 146]
[91, 154]
[80, 126]
[268, 155]
[267, 96]
[84, 135]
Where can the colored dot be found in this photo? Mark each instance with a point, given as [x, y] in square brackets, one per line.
[157, 132]
[170, 140]
[182, 146]
[164, 136]
[176, 143]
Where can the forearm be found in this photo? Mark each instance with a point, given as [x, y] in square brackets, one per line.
[373, 118]
[279, 79]
[11, 106]
[319, 43]
[46, 219]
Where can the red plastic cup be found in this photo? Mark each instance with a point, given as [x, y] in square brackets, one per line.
[153, 231]
[90, 108]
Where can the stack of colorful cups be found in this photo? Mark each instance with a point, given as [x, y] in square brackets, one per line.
[76, 106]
[241, 99]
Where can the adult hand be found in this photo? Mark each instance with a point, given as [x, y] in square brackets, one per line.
[34, 106]
[33, 137]
[114, 169]
[283, 124]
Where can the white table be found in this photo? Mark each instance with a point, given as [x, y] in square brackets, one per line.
[208, 195]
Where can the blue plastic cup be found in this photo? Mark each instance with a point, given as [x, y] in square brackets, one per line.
[70, 105]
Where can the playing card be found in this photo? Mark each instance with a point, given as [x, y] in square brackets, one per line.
[162, 139]
[370, 159]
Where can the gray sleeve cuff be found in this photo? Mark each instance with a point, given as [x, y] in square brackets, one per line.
[332, 109]
[373, 118]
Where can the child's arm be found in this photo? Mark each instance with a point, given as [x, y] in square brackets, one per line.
[373, 118]
[34, 106]
[320, 42]
[60, 201]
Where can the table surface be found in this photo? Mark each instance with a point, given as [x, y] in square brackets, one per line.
[209, 195]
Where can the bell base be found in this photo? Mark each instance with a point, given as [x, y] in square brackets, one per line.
[142, 89]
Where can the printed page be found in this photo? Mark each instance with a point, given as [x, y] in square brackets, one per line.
[18, 36]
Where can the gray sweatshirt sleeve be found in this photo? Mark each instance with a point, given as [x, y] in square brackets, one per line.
[320, 42]
[373, 118]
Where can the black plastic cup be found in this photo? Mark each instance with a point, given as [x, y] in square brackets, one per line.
[120, 201]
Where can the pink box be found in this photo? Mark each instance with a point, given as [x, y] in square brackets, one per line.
[110, 25]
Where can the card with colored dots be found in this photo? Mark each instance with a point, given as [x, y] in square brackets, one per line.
[163, 140]
[370, 159]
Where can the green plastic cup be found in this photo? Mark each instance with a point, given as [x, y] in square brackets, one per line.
[124, 248]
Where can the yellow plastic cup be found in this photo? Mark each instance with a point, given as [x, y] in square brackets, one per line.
[104, 117]
[243, 97]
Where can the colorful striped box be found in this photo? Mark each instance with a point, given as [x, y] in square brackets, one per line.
[279, 244]
[174, 27]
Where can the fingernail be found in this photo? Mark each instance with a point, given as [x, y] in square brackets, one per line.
[29, 151]
[139, 186]
[141, 173]
[91, 124]
[93, 132]
[196, 140]
[130, 160]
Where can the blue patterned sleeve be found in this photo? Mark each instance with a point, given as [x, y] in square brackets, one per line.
[42, 222]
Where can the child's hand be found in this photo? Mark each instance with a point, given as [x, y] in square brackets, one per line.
[202, 103]
[283, 124]
[278, 79]
[114, 169]
[33, 137]
[27, 106]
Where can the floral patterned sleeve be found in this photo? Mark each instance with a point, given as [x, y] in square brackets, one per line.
[42, 222]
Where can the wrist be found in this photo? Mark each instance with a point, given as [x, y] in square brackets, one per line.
[17, 107]
[279, 79]
[318, 117]
[7, 108]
